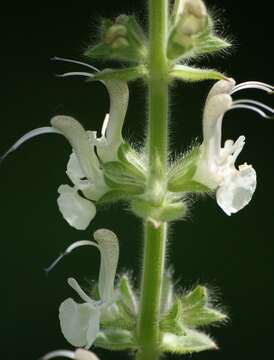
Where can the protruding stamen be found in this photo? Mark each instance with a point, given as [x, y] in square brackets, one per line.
[253, 108]
[76, 73]
[253, 102]
[72, 247]
[56, 58]
[59, 353]
[54, 263]
[237, 148]
[28, 136]
[105, 125]
[74, 284]
[253, 85]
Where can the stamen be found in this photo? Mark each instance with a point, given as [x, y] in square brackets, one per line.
[105, 125]
[257, 103]
[72, 247]
[74, 284]
[56, 58]
[253, 108]
[237, 148]
[59, 353]
[76, 73]
[253, 85]
[28, 136]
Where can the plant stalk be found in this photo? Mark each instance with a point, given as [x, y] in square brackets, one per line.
[155, 236]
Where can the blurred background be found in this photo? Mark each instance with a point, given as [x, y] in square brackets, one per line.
[233, 255]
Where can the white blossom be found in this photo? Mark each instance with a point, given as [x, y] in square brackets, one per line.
[80, 323]
[89, 150]
[216, 167]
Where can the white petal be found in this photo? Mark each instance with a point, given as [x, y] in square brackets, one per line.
[109, 143]
[214, 111]
[82, 354]
[93, 189]
[74, 170]
[79, 322]
[237, 189]
[224, 86]
[76, 210]
[109, 248]
[59, 353]
[78, 138]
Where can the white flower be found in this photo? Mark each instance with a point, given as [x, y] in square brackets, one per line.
[83, 168]
[80, 323]
[79, 354]
[216, 167]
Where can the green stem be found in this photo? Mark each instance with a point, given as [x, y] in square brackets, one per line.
[155, 237]
[153, 267]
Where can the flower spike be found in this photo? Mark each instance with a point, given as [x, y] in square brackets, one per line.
[80, 323]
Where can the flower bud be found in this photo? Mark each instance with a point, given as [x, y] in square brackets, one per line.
[193, 19]
[193, 31]
[122, 39]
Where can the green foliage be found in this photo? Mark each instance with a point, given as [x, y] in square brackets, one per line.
[184, 44]
[192, 74]
[168, 211]
[193, 341]
[197, 311]
[126, 74]
[116, 339]
[180, 316]
[172, 321]
[180, 176]
[187, 313]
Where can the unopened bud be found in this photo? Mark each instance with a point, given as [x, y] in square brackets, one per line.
[121, 39]
[115, 32]
[192, 20]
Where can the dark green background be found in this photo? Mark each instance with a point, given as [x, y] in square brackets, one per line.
[234, 255]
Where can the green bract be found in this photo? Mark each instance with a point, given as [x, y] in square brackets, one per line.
[122, 39]
[193, 32]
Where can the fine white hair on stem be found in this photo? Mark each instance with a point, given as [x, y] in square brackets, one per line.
[28, 136]
[253, 85]
[56, 58]
[59, 353]
[72, 247]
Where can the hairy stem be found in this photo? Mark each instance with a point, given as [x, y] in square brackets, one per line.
[153, 267]
[155, 237]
